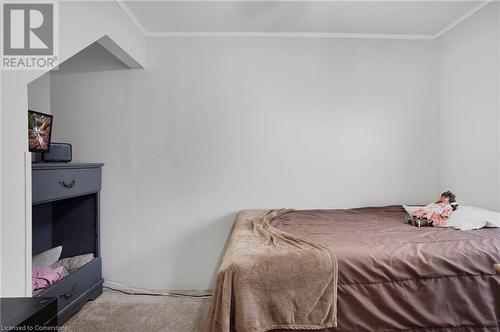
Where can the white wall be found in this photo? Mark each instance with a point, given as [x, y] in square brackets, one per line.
[39, 94]
[469, 113]
[80, 23]
[215, 125]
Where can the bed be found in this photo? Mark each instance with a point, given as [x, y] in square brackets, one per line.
[386, 274]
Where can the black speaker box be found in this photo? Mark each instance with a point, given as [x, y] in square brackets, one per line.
[58, 152]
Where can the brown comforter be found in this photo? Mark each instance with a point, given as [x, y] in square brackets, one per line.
[391, 276]
[396, 277]
[265, 281]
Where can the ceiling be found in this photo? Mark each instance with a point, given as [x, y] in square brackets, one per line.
[418, 18]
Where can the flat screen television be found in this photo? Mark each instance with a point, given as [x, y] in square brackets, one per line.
[39, 131]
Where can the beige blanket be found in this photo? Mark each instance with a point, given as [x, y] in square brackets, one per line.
[271, 280]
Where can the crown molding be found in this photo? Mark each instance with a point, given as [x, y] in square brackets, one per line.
[462, 18]
[289, 35]
[449, 27]
[132, 17]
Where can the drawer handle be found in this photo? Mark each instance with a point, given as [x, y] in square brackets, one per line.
[67, 184]
[69, 294]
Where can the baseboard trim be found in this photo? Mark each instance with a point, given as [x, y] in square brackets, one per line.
[116, 286]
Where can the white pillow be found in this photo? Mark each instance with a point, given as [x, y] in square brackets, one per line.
[491, 218]
[71, 264]
[464, 219]
[411, 209]
[47, 258]
[470, 217]
[494, 221]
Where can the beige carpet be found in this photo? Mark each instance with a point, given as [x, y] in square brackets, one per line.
[115, 311]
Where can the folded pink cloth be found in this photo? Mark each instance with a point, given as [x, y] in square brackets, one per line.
[43, 276]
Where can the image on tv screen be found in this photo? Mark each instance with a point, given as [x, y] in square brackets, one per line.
[39, 131]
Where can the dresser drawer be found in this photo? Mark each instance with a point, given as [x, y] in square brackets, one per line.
[54, 184]
[71, 288]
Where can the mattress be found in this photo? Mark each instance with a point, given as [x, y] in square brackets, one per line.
[396, 277]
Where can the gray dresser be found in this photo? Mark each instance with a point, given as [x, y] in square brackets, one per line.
[65, 212]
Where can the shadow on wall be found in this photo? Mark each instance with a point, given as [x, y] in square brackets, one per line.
[192, 247]
[94, 58]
